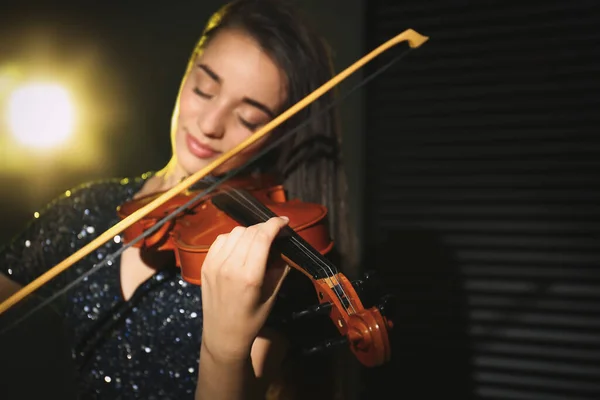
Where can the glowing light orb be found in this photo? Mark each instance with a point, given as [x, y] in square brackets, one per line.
[41, 115]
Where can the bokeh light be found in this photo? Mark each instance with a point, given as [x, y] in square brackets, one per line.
[41, 115]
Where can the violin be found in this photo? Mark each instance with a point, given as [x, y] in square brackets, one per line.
[187, 222]
[302, 244]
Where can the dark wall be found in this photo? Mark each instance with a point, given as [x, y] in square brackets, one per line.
[482, 192]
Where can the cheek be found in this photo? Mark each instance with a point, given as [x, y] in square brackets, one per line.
[187, 104]
[235, 135]
[249, 151]
[234, 138]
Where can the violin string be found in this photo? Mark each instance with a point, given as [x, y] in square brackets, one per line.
[67, 287]
[333, 277]
[306, 251]
[300, 246]
[209, 189]
[264, 215]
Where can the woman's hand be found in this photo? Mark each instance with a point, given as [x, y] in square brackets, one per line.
[238, 291]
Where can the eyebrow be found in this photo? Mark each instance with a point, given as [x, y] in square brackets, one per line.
[214, 76]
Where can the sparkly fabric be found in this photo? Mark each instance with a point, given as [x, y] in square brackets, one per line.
[147, 347]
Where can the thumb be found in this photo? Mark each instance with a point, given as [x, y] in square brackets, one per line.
[274, 277]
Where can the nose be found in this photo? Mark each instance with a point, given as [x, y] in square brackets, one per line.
[212, 121]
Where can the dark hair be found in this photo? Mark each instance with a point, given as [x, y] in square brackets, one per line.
[309, 163]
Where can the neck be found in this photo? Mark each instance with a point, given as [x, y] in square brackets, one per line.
[164, 179]
[170, 175]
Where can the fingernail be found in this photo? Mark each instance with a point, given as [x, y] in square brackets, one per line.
[286, 219]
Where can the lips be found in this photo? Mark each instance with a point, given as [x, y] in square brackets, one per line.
[198, 149]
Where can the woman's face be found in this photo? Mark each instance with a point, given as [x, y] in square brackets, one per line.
[232, 89]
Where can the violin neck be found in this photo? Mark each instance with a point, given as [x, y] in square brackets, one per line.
[247, 210]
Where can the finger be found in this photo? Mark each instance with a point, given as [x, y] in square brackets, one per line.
[274, 278]
[238, 255]
[228, 245]
[214, 251]
[258, 253]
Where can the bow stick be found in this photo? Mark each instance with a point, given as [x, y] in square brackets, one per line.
[414, 40]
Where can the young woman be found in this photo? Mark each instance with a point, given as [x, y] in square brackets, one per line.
[138, 330]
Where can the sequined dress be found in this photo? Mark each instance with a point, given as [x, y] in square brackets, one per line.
[144, 348]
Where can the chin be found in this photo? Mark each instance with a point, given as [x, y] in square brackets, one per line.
[188, 162]
[191, 164]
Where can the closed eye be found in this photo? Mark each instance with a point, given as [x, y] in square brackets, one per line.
[202, 94]
[252, 127]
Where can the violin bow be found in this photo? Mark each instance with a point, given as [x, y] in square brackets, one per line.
[414, 40]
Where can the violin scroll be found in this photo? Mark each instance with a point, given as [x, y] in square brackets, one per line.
[365, 330]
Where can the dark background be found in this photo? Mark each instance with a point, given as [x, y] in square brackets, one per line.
[475, 167]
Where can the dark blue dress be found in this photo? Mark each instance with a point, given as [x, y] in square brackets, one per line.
[147, 347]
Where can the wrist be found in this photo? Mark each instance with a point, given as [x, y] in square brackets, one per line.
[225, 354]
[225, 375]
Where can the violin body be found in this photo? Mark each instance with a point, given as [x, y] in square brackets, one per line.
[191, 234]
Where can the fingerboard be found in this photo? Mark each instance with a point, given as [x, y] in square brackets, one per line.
[247, 210]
